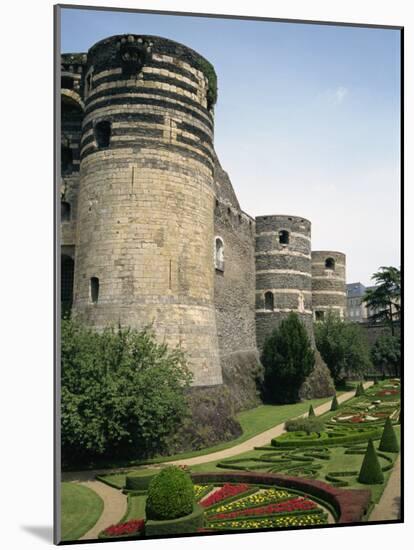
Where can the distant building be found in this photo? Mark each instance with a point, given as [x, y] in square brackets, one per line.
[357, 311]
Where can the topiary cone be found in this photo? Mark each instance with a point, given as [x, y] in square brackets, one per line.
[359, 390]
[334, 404]
[311, 411]
[371, 472]
[389, 442]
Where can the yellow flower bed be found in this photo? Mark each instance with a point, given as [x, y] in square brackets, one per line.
[268, 496]
[272, 522]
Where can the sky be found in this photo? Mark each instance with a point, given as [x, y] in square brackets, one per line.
[307, 120]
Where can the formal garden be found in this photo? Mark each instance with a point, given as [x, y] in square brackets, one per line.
[166, 459]
[323, 469]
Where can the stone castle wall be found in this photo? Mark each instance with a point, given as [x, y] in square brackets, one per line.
[328, 283]
[145, 223]
[283, 272]
[147, 200]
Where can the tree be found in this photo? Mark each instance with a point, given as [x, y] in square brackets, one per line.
[122, 392]
[343, 347]
[389, 442]
[385, 300]
[288, 359]
[370, 472]
[387, 352]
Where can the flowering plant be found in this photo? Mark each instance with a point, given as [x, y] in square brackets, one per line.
[132, 527]
[272, 522]
[259, 498]
[292, 505]
[224, 492]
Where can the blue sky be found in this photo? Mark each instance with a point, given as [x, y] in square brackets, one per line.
[307, 120]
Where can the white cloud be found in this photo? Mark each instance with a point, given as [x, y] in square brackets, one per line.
[336, 96]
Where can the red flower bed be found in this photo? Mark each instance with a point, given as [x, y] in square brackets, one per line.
[224, 492]
[122, 529]
[291, 505]
[357, 419]
[382, 393]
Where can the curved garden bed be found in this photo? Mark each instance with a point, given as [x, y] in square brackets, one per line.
[349, 505]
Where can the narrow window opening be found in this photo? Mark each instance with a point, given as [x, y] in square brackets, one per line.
[66, 157]
[283, 237]
[319, 315]
[65, 211]
[94, 289]
[67, 82]
[330, 264]
[102, 132]
[219, 254]
[269, 301]
[66, 285]
[89, 83]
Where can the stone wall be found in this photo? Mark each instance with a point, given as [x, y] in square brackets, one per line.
[283, 271]
[145, 227]
[328, 283]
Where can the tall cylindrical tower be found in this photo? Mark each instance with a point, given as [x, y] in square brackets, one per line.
[328, 283]
[144, 249]
[283, 272]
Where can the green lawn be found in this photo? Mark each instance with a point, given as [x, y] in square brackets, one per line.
[81, 509]
[136, 507]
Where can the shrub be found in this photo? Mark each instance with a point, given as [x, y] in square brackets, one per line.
[359, 390]
[308, 425]
[311, 411]
[371, 472]
[190, 523]
[334, 404]
[389, 441]
[343, 347]
[386, 352]
[288, 359]
[122, 392]
[170, 495]
[139, 481]
[127, 529]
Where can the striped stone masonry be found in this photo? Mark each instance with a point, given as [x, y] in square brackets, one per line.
[328, 283]
[283, 272]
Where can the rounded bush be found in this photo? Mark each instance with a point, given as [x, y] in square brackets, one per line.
[170, 495]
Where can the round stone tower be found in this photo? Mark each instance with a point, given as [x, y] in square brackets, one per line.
[283, 272]
[328, 283]
[144, 247]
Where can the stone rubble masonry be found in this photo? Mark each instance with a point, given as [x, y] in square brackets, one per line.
[146, 211]
[329, 285]
[145, 221]
[284, 270]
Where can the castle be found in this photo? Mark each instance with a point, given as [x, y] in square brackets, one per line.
[151, 229]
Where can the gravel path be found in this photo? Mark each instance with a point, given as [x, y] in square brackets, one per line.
[260, 439]
[115, 507]
[389, 505]
[115, 503]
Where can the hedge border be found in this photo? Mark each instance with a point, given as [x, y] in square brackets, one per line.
[350, 504]
[178, 526]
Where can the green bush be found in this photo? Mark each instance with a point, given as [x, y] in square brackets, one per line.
[343, 346]
[139, 481]
[288, 359]
[307, 425]
[389, 442]
[371, 472]
[334, 404]
[170, 495]
[122, 392]
[311, 411]
[187, 524]
[359, 390]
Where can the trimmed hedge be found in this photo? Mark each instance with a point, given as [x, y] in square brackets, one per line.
[186, 524]
[170, 495]
[334, 404]
[389, 442]
[139, 481]
[311, 411]
[371, 472]
[324, 440]
[308, 425]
